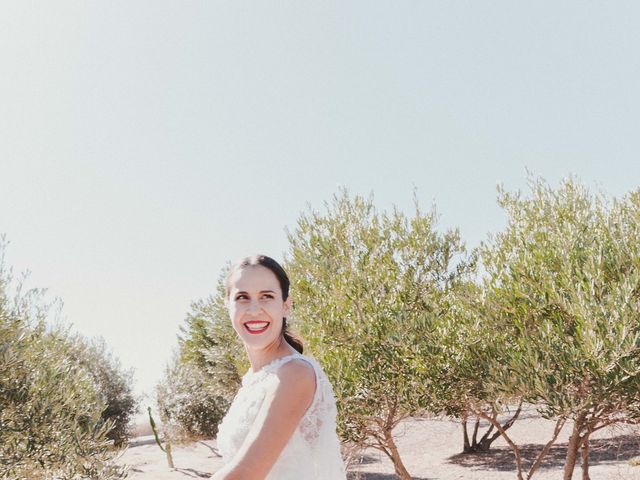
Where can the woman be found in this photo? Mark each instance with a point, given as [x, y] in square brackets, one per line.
[281, 424]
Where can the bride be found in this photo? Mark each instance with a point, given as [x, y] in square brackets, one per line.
[282, 422]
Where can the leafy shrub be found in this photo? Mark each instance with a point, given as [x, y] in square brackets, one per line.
[113, 385]
[51, 423]
[189, 406]
[209, 342]
[202, 380]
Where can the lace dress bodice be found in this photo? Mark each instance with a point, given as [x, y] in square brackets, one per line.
[313, 451]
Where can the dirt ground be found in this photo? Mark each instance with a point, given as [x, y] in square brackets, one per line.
[430, 449]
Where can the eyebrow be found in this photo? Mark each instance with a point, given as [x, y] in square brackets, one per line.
[261, 291]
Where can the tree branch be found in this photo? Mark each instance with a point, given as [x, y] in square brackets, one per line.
[556, 431]
[514, 447]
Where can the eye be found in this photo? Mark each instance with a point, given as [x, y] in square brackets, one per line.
[268, 295]
[242, 296]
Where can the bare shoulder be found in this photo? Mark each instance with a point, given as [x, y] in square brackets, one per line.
[297, 375]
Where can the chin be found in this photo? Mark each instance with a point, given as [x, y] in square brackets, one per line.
[258, 343]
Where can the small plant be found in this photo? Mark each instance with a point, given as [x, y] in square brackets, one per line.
[167, 451]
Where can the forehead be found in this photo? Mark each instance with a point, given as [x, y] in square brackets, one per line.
[254, 278]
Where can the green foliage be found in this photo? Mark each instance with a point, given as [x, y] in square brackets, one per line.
[113, 385]
[189, 406]
[461, 355]
[209, 342]
[199, 385]
[390, 308]
[369, 291]
[51, 423]
[564, 279]
[566, 275]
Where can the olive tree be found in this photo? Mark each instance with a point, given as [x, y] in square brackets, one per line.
[368, 288]
[564, 279]
[466, 348]
[113, 384]
[51, 423]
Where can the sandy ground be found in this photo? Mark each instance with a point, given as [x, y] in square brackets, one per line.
[430, 449]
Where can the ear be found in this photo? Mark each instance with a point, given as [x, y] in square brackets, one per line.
[287, 305]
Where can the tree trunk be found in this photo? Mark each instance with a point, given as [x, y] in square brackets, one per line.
[547, 447]
[465, 436]
[399, 467]
[572, 452]
[484, 445]
[585, 458]
[474, 439]
[503, 432]
[471, 445]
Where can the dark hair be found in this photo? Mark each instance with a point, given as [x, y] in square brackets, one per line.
[283, 280]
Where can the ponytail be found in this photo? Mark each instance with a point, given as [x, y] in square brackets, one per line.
[291, 338]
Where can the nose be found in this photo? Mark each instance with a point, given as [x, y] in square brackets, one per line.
[254, 306]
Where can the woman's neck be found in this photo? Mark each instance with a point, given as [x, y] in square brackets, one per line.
[259, 358]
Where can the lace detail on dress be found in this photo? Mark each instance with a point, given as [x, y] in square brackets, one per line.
[311, 423]
[313, 451]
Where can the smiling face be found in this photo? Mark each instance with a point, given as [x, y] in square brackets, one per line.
[256, 306]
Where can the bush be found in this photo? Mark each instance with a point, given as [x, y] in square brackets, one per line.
[202, 380]
[189, 406]
[210, 343]
[113, 385]
[51, 423]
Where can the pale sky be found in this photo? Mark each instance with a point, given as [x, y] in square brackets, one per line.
[143, 144]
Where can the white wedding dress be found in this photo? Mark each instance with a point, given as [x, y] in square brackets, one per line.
[313, 451]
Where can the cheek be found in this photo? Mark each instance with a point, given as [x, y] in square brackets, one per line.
[233, 314]
[275, 311]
